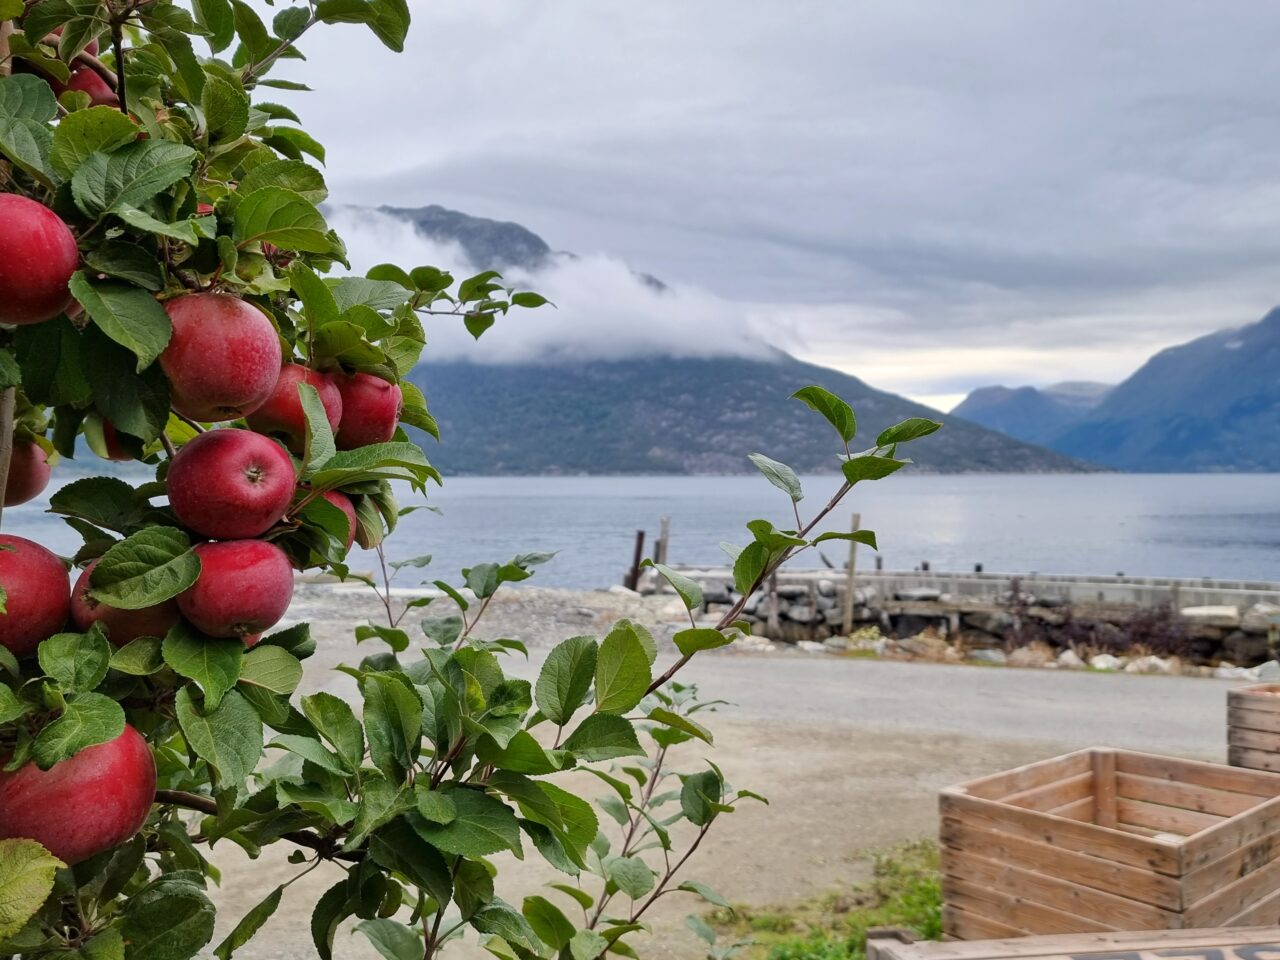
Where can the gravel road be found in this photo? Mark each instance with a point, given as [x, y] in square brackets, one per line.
[850, 752]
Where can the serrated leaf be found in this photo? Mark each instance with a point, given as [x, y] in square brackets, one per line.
[910, 429]
[866, 537]
[130, 175]
[548, 921]
[77, 661]
[26, 880]
[603, 736]
[393, 940]
[483, 825]
[631, 875]
[679, 722]
[836, 412]
[336, 722]
[170, 919]
[689, 590]
[129, 316]
[229, 739]
[622, 672]
[780, 475]
[870, 468]
[85, 132]
[144, 569]
[88, 720]
[272, 668]
[249, 925]
[707, 893]
[140, 658]
[319, 446]
[393, 723]
[282, 217]
[565, 679]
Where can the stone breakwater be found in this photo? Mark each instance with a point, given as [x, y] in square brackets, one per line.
[1200, 622]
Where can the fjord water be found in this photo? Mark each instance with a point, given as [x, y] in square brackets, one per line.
[1225, 526]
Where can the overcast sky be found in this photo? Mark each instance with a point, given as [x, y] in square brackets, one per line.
[931, 196]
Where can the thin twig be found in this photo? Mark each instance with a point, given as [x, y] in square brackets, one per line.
[168, 445]
[117, 46]
[326, 847]
[193, 424]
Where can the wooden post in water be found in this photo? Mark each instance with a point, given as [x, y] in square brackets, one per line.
[772, 625]
[846, 624]
[664, 541]
[632, 581]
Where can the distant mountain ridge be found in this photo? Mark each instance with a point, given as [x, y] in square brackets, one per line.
[660, 415]
[1036, 415]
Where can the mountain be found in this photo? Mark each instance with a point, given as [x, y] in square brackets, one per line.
[1209, 405]
[683, 416]
[488, 244]
[1036, 415]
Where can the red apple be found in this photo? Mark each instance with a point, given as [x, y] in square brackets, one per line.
[343, 503]
[37, 594]
[281, 416]
[252, 641]
[85, 805]
[123, 626]
[38, 255]
[370, 410]
[86, 80]
[231, 484]
[244, 588]
[29, 473]
[103, 439]
[223, 359]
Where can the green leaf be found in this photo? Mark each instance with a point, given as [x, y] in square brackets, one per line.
[631, 875]
[226, 109]
[622, 672]
[870, 468]
[313, 751]
[281, 217]
[144, 569]
[549, 923]
[249, 925]
[689, 590]
[336, 722]
[393, 723]
[749, 567]
[528, 299]
[319, 446]
[397, 460]
[837, 413]
[27, 97]
[398, 847]
[216, 17]
[388, 19]
[393, 940]
[603, 736]
[11, 707]
[272, 668]
[565, 679]
[88, 720]
[170, 919]
[129, 316]
[706, 893]
[910, 429]
[130, 176]
[317, 299]
[587, 945]
[380, 801]
[866, 537]
[78, 661]
[700, 795]
[679, 722]
[124, 261]
[183, 230]
[483, 825]
[89, 131]
[27, 143]
[138, 404]
[140, 658]
[26, 880]
[434, 806]
[302, 178]
[229, 739]
[103, 501]
[780, 475]
[501, 919]
[690, 641]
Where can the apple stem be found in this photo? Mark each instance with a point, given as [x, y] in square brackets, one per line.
[167, 444]
[117, 45]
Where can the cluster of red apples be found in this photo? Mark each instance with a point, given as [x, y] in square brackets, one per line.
[229, 486]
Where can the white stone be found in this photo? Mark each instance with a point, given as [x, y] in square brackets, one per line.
[1105, 661]
[811, 646]
[1148, 665]
[1070, 660]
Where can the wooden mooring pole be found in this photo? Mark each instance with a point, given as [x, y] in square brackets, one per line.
[632, 580]
[846, 622]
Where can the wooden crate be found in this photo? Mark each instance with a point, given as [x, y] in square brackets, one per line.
[1253, 727]
[1240, 943]
[1106, 840]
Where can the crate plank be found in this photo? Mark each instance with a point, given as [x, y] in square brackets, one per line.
[1062, 895]
[1267, 721]
[1230, 835]
[1105, 788]
[1235, 898]
[1081, 810]
[1016, 911]
[1188, 796]
[1159, 855]
[1029, 776]
[1053, 795]
[1262, 696]
[1205, 880]
[1197, 772]
[1254, 759]
[1141, 943]
[1251, 739]
[1106, 875]
[1155, 816]
[964, 925]
[1265, 911]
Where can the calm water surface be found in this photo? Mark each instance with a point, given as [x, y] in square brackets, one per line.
[1142, 525]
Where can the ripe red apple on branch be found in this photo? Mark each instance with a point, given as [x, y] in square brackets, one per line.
[244, 588]
[122, 626]
[29, 473]
[231, 484]
[370, 410]
[85, 805]
[38, 255]
[281, 415]
[223, 359]
[37, 594]
[343, 503]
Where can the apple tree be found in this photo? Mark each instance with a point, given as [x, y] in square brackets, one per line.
[171, 295]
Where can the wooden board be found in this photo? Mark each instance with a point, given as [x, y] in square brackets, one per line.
[1239, 943]
[1030, 776]
[1262, 696]
[1267, 721]
[1263, 785]
[1267, 760]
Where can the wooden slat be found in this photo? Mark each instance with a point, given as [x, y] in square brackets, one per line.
[1187, 796]
[1264, 911]
[1066, 946]
[1224, 871]
[1231, 835]
[1104, 788]
[1251, 739]
[1235, 898]
[1155, 816]
[1135, 883]
[1267, 721]
[1062, 895]
[1081, 810]
[964, 925]
[1007, 908]
[1053, 795]
[1263, 696]
[1204, 774]
[1027, 777]
[1254, 759]
[1159, 855]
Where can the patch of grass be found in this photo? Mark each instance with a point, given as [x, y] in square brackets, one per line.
[905, 891]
